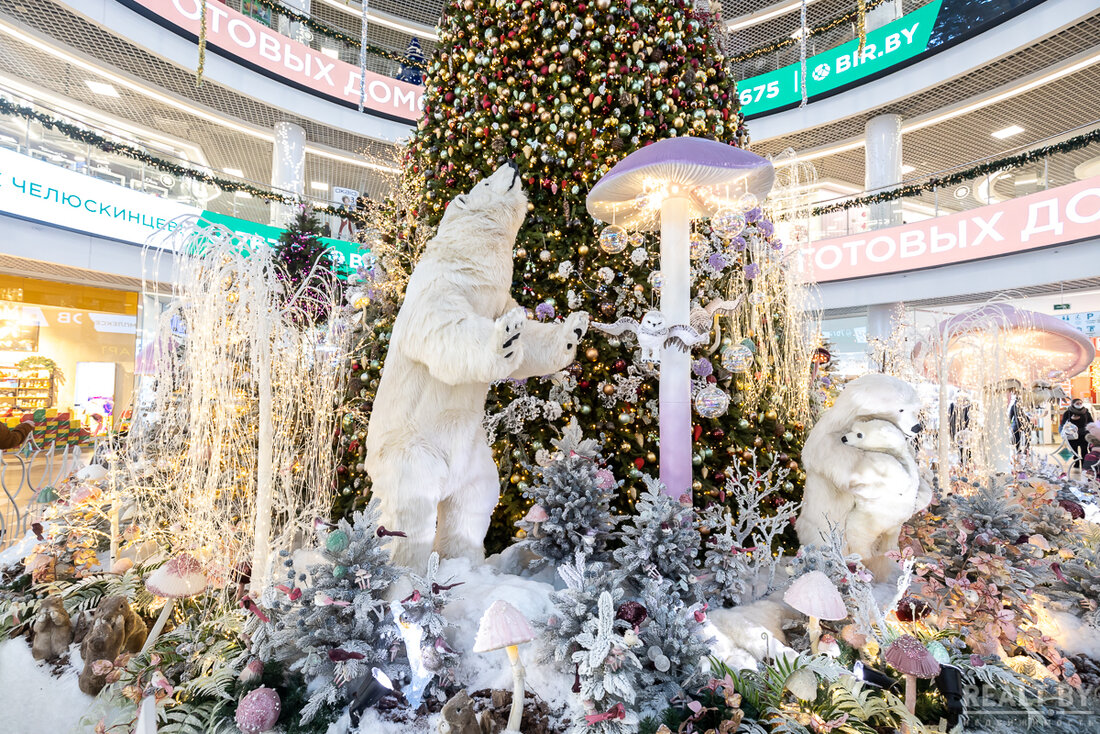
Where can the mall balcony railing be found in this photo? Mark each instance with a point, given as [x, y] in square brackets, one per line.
[28, 478]
[995, 184]
[336, 34]
[761, 61]
[36, 140]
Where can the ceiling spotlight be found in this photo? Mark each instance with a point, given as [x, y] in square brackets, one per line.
[905, 169]
[233, 171]
[102, 88]
[319, 185]
[330, 52]
[1008, 132]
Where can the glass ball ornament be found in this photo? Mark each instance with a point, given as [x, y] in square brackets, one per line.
[727, 222]
[637, 239]
[711, 402]
[613, 239]
[748, 201]
[737, 358]
[699, 245]
[656, 279]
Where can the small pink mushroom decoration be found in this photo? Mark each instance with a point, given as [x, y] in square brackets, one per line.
[259, 711]
[504, 626]
[536, 516]
[910, 658]
[181, 577]
[817, 597]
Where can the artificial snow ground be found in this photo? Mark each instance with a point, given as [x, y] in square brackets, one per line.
[32, 700]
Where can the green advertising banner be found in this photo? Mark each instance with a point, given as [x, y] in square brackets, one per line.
[886, 46]
[348, 252]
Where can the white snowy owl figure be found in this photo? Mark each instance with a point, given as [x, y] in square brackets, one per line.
[654, 333]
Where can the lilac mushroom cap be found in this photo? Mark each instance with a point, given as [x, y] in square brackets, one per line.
[502, 625]
[1037, 347]
[712, 174]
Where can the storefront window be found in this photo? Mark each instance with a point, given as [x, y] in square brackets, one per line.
[66, 349]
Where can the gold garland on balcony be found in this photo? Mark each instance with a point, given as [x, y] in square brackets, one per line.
[865, 6]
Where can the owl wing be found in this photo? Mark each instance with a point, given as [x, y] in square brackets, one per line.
[701, 318]
[621, 326]
[683, 337]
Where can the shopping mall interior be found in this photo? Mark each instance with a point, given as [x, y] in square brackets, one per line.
[745, 354]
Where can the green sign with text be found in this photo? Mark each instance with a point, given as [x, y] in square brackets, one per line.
[886, 46]
[348, 252]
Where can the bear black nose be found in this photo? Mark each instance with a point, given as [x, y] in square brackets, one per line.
[513, 166]
[917, 428]
[844, 439]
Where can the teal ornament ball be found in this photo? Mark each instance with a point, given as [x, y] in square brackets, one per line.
[339, 572]
[337, 541]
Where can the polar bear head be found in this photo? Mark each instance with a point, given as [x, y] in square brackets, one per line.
[879, 397]
[875, 435]
[492, 210]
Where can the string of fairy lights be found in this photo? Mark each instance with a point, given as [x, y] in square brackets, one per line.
[855, 16]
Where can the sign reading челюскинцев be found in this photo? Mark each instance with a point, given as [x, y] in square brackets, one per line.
[42, 192]
[1061, 215]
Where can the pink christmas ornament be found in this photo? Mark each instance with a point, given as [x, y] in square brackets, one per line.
[258, 711]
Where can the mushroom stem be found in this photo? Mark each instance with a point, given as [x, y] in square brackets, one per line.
[516, 714]
[813, 629]
[158, 625]
[910, 700]
[675, 380]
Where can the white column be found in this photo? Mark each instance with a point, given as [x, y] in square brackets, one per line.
[882, 166]
[288, 167]
[675, 383]
[883, 14]
[294, 29]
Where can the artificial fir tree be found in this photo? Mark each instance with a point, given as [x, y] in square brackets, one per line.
[300, 252]
[661, 540]
[565, 91]
[424, 608]
[332, 623]
[672, 638]
[584, 583]
[574, 492]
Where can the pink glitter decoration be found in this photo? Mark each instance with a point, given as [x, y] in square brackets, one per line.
[258, 711]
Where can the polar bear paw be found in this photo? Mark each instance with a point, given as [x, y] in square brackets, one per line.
[575, 327]
[507, 332]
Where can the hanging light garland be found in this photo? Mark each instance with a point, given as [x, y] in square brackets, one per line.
[802, 54]
[363, 57]
[202, 44]
[861, 23]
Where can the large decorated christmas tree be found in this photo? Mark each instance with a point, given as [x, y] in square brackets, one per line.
[566, 91]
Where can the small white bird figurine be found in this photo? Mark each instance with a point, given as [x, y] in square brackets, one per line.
[654, 334]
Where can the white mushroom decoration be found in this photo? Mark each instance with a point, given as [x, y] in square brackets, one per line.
[181, 577]
[817, 597]
[503, 625]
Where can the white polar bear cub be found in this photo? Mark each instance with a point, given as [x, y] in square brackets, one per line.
[829, 464]
[885, 483]
[457, 331]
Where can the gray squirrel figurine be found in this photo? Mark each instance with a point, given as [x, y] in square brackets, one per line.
[459, 717]
[53, 630]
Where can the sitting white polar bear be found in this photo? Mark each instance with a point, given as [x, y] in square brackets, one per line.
[885, 483]
[457, 331]
[828, 498]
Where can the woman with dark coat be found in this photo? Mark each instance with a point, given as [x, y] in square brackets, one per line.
[13, 438]
[1080, 417]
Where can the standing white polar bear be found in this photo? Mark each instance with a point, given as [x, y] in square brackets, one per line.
[830, 464]
[885, 484]
[457, 331]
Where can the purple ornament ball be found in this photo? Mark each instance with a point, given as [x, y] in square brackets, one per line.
[258, 711]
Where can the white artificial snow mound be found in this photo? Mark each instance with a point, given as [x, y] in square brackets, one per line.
[1073, 634]
[482, 585]
[16, 552]
[31, 699]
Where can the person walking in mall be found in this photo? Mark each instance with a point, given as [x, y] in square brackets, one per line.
[13, 438]
[1079, 417]
[1018, 422]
